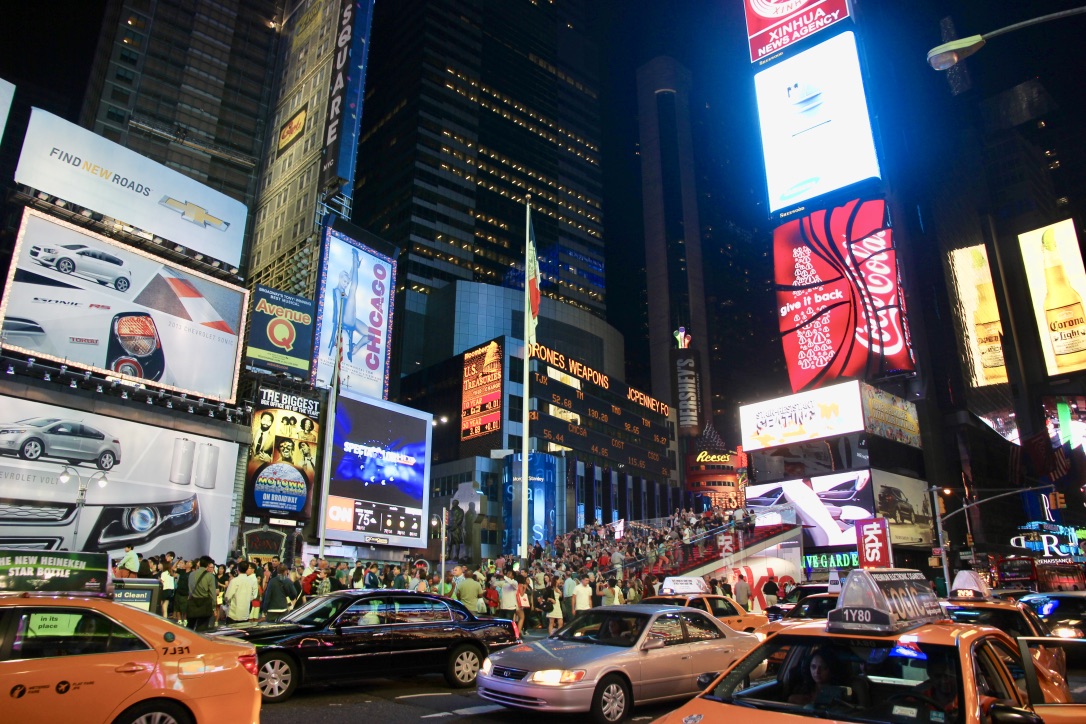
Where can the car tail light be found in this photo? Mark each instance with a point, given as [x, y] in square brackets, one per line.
[136, 333]
[248, 661]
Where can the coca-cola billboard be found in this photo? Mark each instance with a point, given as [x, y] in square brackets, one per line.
[839, 300]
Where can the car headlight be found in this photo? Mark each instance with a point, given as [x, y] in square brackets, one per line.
[487, 667]
[761, 636]
[1067, 632]
[556, 677]
[119, 525]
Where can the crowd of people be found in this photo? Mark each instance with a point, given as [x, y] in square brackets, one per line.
[584, 568]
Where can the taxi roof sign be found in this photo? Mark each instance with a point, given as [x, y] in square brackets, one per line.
[684, 584]
[884, 601]
[969, 584]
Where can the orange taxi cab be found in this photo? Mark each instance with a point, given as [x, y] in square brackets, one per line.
[971, 601]
[694, 592]
[886, 653]
[83, 658]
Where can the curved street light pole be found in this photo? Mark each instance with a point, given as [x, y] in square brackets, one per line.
[947, 55]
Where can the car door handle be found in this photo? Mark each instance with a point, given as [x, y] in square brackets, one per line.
[684, 658]
[130, 668]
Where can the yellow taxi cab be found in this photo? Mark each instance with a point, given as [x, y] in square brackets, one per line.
[886, 653]
[694, 592]
[971, 601]
[83, 658]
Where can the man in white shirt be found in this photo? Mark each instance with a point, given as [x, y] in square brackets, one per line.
[239, 595]
[582, 596]
[508, 591]
[568, 587]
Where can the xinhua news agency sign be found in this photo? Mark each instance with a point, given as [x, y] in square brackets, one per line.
[873, 543]
[281, 336]
[772, 25]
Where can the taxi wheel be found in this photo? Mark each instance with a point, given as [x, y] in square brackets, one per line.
[158, 711]
[612, 701]
[463, 667]
[278, 678]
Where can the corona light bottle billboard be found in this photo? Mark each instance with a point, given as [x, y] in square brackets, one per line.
[1056, 282]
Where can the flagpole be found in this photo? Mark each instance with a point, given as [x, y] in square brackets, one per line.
[527, 364]
[330, 423]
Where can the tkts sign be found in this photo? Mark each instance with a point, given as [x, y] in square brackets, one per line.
[873, 543]
[774, 24]
[839, 301]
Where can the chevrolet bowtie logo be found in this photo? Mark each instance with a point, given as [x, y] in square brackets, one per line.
[196, 214]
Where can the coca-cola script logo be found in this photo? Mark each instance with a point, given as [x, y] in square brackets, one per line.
[840, 307]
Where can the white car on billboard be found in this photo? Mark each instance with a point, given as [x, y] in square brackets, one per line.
[80, 299]
[85, 261]
[52, 437]
[64, 487]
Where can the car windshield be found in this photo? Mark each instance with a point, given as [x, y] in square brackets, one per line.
[1057, 608]
[38, 421]
[813, 608]
[1012, 623]
[607, 628]
[859, 679]
[318, 611]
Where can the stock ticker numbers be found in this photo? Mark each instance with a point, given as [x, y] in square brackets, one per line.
[587, 420]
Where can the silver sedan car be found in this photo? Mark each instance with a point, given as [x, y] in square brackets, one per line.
[610, 658]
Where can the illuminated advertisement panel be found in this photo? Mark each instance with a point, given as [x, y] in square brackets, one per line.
[65, 160]
[839, 300]
[280, 332]
[816, 132]
[686, 390]
[776, 24]
[291, 131]
[284, 457]
[355, 291]
[7, 94]
[1057, 282]
[380, 482]
[890, 416]
[804, 416]
[83, 300]
[906, 505]
[343, 118]
[481, 393]
[826, 505]
[983, 342]
[151, 487]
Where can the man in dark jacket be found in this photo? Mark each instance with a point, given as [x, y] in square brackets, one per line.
[203, 587]
[280, 594]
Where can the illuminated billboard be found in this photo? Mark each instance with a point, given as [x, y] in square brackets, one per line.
[65, 160]
[379, 491]
[481, 392]
[356, 293]
[811, 415]
[153, 488]
[7, 94]
[343, 118]
[284, 456]
[890, 416]
[826, 505]
[816, 131]
[280, 332]
[1053, 265]
[982, 326]
[906, 504]
[291, 131]
[83, 300]
[773, 24]
[840, 305]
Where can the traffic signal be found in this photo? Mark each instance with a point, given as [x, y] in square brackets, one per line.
[942, 508]
[969, 539]
[1060, 501]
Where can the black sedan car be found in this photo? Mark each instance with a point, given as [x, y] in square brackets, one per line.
[357, 634]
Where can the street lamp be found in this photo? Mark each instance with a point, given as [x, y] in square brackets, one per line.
[66, 473]
[434, 522]
[947, 55]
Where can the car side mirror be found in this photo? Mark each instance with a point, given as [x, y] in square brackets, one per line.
[706, 679]
[1007, 714]
[653, 643]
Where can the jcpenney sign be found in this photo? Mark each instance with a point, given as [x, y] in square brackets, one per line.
[70, 162]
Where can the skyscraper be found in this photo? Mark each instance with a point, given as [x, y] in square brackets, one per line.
[676, 286]
[188, 84]
[470, 108]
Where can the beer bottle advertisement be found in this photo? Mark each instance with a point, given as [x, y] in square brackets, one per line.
[1057, 282]
[979, 316]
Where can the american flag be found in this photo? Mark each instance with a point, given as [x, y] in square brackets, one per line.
[1059, 465]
